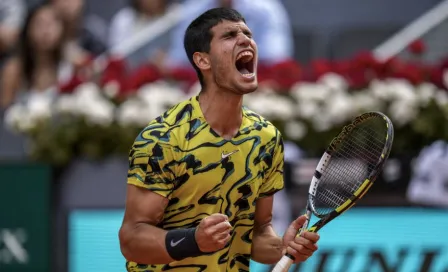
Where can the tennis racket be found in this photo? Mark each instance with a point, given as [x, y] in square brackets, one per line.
[346, 171]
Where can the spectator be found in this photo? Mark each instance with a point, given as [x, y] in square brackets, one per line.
[429, 182]
[267, 19]
[131, 20]
[12, 13]
[36, 67]
[84, 35]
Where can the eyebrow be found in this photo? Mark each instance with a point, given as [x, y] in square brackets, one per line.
[234, 30]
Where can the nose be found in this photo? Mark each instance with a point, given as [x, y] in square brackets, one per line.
[243, 40]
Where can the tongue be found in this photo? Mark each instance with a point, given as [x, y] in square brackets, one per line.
[244, 71]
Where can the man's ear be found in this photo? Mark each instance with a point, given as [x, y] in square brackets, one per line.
[202, 60]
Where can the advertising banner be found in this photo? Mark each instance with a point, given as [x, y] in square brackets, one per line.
[364, 239]
[24, 218]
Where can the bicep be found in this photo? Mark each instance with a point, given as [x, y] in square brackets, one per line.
[150, 180]
[143, 206]
[139, 233]
[263, 211]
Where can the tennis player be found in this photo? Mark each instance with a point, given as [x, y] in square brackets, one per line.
[202, 176]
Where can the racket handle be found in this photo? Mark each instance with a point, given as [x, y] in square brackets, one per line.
[283, 265]
[286, 261]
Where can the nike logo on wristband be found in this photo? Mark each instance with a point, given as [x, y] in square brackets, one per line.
[173, 244]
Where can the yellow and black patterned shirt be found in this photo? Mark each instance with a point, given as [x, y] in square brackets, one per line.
[179, 156]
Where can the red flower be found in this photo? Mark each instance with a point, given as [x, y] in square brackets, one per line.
[417, 47]
[320, 67]
[70, 85]
[82, 72]
[436, 74]
[115, 71]
[186, 75]
[365, 59]
[444, 64]
[263, 73]
[388, 68]
[285, 73]
[143, 75]
[411, 72]
[436, 77]
[357, 79]
[86, 61]
[343, 67]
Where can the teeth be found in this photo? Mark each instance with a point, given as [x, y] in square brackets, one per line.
[244, 54]
[248, 75]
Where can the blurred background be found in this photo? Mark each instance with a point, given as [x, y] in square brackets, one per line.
[80, 78]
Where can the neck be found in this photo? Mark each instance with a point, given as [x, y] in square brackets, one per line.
[71, 29]
[44, 59]
[222, 111]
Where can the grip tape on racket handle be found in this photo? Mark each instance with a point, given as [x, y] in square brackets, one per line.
[303, 228]
[283, 265]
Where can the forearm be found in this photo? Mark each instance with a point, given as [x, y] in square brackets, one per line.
[8, 37]
[144, 244]
[267, 246]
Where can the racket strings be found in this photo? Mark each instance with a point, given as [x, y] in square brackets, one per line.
[350, 165]
[331, 198]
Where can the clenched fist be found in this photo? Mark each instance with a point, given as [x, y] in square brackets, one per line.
[213, 232]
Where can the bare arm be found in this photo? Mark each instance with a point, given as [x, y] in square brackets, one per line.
[267, 246]
[8, 38]
[140, 240]
[10, 81]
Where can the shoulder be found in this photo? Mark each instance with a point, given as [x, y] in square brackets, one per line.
[163, 128]
[266, 128]
[177, 115]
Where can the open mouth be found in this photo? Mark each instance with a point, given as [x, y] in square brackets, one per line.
[245, 64]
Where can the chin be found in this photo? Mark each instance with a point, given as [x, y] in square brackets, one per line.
[248, 88]
[246, 84]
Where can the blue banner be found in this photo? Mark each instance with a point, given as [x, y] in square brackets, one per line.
[363, 239]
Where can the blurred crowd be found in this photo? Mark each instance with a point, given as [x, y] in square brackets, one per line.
[43, 45]
[51, 46]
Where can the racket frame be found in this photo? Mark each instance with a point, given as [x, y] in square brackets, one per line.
[367, 183]
[287, 260]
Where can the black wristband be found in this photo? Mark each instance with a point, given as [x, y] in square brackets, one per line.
[181, 244]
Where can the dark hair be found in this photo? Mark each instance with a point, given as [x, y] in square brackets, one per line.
[27, 54]
[135, 4]
[198, 34]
